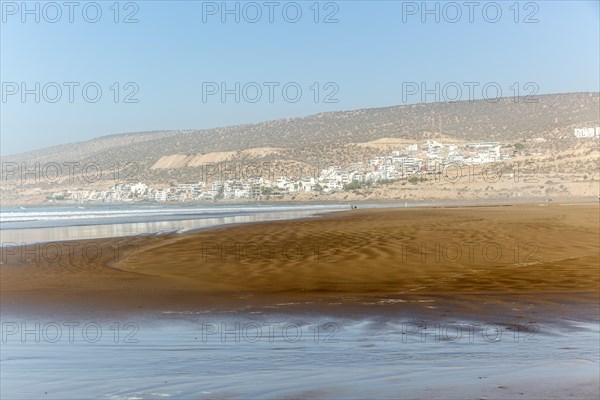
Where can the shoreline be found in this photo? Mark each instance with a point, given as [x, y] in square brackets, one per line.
[323, 202]
[311, 214]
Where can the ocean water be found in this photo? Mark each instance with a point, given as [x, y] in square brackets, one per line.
[20, 225]
[206, 356]
[45, 224]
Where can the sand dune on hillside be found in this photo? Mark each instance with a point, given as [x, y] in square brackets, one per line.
[194, 160]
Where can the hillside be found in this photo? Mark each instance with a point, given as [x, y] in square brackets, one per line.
[161, 157]
[479, 120]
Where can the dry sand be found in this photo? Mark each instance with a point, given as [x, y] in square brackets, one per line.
[515, 263]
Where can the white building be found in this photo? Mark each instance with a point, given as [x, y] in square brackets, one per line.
[139, 188]
[160, 195]
[216, 186]
[584, 133]
[308, 184]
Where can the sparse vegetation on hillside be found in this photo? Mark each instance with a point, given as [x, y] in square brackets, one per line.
[302, 146]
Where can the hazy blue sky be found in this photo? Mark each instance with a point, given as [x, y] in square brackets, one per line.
[366, 56]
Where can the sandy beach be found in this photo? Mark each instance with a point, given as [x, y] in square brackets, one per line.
[534, 262]
[435, 303]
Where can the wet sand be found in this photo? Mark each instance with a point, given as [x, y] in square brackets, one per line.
[504, 263]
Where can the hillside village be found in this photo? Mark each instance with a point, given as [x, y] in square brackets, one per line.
[408, 162]
[412, 163]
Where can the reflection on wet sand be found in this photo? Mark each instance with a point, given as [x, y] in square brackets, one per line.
[526, 261]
